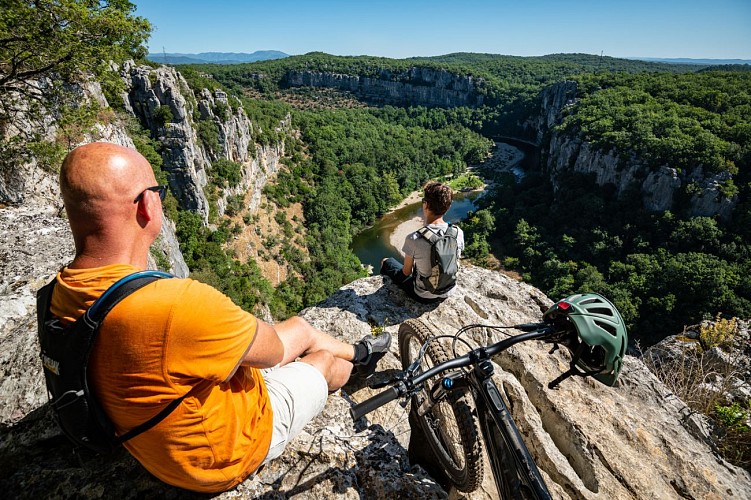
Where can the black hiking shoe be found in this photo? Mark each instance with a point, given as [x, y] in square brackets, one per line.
[377, 348]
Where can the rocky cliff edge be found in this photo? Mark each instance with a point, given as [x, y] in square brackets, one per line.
[635, 440]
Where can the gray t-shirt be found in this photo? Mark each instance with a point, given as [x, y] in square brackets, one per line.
[419, 248]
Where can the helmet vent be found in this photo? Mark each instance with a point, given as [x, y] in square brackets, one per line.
[592, 300]
[605, 311]
[608, 328]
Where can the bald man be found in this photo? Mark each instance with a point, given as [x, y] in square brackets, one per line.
[251, 386]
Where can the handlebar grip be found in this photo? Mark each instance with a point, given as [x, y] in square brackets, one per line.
[373, 403]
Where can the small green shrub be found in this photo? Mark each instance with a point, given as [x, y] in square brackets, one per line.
[226, 172]
[718, 333]
[735, 443]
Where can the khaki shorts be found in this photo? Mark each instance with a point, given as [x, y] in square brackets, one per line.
[298, 393]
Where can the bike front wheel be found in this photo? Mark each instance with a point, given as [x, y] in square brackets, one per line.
[449, 425]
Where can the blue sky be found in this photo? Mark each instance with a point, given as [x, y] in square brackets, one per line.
[719, 29]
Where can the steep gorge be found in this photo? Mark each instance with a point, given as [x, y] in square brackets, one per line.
[632, 441]
[419, 86]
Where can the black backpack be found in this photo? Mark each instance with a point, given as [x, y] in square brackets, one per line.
[444, 256]
[65, 355]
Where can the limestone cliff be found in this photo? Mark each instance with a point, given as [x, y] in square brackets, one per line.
[187, 159]
[418, 86]
[564, 153]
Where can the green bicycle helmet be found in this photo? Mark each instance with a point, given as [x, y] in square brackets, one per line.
[602, 336]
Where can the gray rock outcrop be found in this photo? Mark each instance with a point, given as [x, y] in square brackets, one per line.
[417, 86]
[590, 441]
[187, 160]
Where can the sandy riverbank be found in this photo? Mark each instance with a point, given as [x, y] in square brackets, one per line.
[401, 232]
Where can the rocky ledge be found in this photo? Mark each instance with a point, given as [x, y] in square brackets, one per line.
[635, 440]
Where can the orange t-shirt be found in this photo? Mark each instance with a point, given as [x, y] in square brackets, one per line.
[169, 337]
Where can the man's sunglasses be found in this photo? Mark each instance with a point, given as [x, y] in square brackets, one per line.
[161, 189]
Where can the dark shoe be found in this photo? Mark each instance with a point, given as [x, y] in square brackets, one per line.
[377, 348]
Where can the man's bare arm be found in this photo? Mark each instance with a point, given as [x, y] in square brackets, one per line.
[267, 349]
[408, 262]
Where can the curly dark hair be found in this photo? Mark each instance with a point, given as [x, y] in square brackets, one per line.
[438, 197]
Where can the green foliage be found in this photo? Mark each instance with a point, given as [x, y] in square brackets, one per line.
[208, 133]
[202, 249]
[684, 121]
[466, 180]
[64, 38]
[163, 115]
[49, 154]
[113, 86]
[735, 443]
[478, 227]
[226, 172]
[734, 416]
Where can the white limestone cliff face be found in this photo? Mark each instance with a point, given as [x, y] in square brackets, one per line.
[187, 161]
[259, 162]
[417, 86]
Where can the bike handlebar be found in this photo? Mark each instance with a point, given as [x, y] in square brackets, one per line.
[534, 331]
[375, 402]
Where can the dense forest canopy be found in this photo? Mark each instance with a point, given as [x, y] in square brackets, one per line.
[46, 44]
[664, 270]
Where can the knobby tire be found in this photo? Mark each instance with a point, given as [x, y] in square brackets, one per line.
[450, 426]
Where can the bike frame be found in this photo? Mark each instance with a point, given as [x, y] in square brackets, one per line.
[488, 401]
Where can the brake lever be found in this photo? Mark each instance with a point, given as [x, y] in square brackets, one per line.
[398, 377]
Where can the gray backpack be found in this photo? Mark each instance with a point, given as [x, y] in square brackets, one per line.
[444, 260]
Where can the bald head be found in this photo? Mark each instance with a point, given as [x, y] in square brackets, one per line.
[101, 171]
[99, 182]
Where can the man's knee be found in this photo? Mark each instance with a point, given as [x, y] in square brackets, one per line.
[321, 360]
[336, 371]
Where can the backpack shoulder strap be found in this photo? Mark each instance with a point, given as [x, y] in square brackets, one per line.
[428, 234]
[94, 316]
[117, 292]
[44, 299]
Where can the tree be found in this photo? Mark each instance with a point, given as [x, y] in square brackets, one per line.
[61, 39]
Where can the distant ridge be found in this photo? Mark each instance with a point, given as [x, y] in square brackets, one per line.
[215, 57]
[688, 60]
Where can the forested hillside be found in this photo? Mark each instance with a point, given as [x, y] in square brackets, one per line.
[664, 270]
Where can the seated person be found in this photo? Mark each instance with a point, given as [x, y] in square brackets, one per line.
[414, 276]
[252, 386]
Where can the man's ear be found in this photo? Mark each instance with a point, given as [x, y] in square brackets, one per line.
[145, 209]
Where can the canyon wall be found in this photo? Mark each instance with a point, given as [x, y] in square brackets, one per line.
[660, 187]
[417, 86]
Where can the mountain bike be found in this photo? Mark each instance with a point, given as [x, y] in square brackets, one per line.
[447, 392]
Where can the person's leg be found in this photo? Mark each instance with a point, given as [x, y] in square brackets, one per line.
[393, 269]
[331, 356]
[300, 337]
[335, 370]
[298, 393]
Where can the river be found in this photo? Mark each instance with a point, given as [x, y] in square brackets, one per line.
[372, 244]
